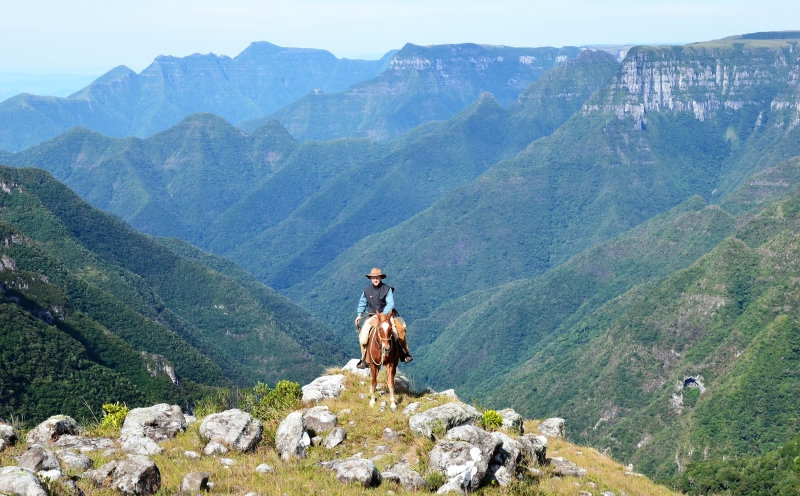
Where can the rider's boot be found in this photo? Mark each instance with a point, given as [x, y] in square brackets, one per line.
[406, 354]
[362, 364]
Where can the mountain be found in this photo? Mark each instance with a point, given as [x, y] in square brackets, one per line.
[93, 311]
[422, 84]
[257, 82]
[672, 122]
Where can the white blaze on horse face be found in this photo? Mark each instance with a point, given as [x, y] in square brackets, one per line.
[385, 326]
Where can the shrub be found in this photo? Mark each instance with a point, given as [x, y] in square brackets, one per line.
[269, 404]
[435, 480]
[113, 415]
[491, 420]
[214, 403]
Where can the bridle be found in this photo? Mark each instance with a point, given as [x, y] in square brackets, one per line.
[385, 342]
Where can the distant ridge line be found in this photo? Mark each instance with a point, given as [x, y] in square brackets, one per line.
[771, 35]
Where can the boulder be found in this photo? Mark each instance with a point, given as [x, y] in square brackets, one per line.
[534, 448]
[51, 475]
[454, 485]
[38, 458]
[74, 461]
[158, 422]
[402, 384]
[448, 393]
[320, 419]
[499, 475]
[195, 481]
[192, 455]
[351, 367]
[235, 429]
[391, 435]
[214, 448]
[355, 471]
[334, 438]
[475, 436]
[444, 417]
[565, 468]
[18, 481]
[49, 431]
[552, 427]
[84, 444]
[508, 454]
[411, 408]
[265, 469]
[227, 462]
[327, 386]
[406, 477]
[291, 440]
[459, 460]
[140, 446]
[136, 474]
[512, 421]
[8, 435]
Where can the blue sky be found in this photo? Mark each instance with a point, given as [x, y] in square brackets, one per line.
[92, 36]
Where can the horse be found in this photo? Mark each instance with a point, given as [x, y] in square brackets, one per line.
[383, 350]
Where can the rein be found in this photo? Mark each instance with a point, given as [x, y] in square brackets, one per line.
[384, 351]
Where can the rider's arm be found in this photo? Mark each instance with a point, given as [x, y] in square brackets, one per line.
[389, 303]
[362, 304]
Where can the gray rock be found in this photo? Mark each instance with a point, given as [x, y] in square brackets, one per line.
[84, 444]
[459, 460]
[381, 450]
[449, 393]
[236, 429]
[51, 475]
[136, 475]
[195, 481]
[475, 436]
[454, 485]
[227, 462]
[334, 438]
[445, 416]
[74, 461]
[327, 386]
[552, 427]
[512, 421]
[534, 448]
[158, 422]
[8, 435]
[402, 384]
[508, 454]
[291, 440]
[316, 440]
[38, 458]
[320, 419]
[18, 481]
[214, 448]
[265, 469]
[190, 419]
[565, 468]
[607, 493]
[49, 431]
[406, 477]
[191, 455]
[355, 471]
[411, 408]
[351, 367]
[499, 475]
[140, 446]
[391, 435]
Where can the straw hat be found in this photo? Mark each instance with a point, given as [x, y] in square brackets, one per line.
[376, 272]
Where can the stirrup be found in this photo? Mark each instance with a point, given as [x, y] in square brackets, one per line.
[408, 358]
[362, 364]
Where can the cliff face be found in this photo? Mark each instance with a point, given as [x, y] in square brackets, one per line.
[421, 84]
[257, 82]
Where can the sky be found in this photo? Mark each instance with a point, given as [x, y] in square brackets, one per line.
[93, 36]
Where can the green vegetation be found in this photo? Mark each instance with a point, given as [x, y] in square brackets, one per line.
[491, 420]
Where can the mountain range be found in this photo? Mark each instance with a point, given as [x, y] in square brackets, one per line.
[614, 245]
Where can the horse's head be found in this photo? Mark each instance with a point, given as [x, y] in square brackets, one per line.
[385, 333]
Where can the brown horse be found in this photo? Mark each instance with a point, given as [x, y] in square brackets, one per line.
[382, 349]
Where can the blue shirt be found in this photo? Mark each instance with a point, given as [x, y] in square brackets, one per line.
[362, 303]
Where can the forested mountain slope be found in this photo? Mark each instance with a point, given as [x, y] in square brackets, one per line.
[422, 84]
[87, 299]
[672, 122]
[257, 82]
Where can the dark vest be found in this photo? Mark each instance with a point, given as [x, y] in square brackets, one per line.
[376, 297]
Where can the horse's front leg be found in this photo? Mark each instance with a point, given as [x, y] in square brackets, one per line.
[391, 369]
[374, 373]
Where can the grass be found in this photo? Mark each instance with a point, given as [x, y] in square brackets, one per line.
[364, 425]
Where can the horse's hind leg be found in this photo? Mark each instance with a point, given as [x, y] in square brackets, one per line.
[390, 372]
[374, 373]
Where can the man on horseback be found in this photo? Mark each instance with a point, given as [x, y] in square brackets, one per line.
[378, 297]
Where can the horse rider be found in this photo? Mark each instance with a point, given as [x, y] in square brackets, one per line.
[378, 297]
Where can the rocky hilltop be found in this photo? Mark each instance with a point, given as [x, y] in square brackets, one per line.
[332, 441]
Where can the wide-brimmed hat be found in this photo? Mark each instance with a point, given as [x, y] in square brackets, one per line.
[376, 272]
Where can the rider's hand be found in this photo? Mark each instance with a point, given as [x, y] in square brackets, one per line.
[358, 320]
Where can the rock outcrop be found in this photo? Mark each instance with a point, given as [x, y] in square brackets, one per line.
[234, 429]
[355, 471]
[20, 481]
[291, 440]
[49, 431]
[442, 417]
[136, 474]
[327, 386]
[552, 427]
[38, 458]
